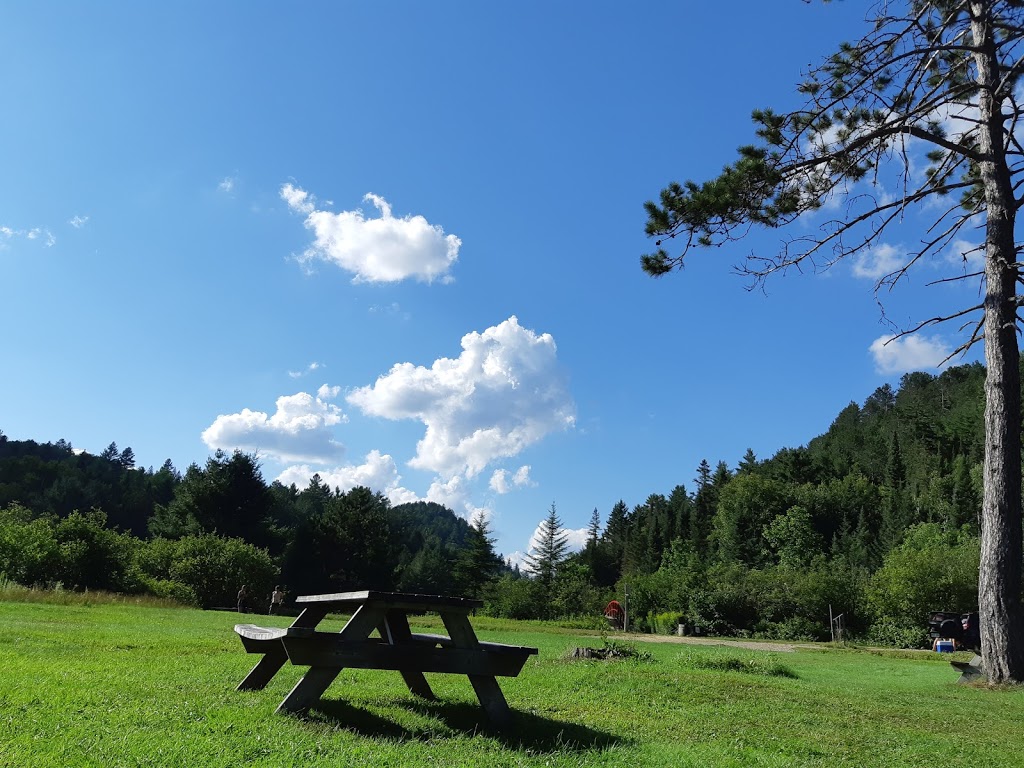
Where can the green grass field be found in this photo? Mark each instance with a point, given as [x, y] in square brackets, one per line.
[122, 685]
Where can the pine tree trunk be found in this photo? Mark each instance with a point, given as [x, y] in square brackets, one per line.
[999, 582]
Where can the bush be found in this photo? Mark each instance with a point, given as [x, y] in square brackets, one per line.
[664, 623]
[29, 554]
[512, 597]
[898, 634]
[212, 567]
[931, 570]
[171, 590]
[93, 556]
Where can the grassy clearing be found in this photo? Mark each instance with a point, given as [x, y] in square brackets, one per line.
[121, 685]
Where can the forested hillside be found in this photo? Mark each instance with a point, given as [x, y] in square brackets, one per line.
[877, 519]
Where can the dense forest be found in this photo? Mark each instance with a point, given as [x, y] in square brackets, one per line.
[875, 520]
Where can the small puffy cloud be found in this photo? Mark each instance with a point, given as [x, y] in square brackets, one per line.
[227, 185]
[503, 481]
[504, 393]
[394, 309]
[298, 431]
[378, 472]
[314, 366]
[967, 254]
[297, 199]
[36, 233]
[908, 353]
[878, 262]
[499, 481]
[385, 249]
[78, 221]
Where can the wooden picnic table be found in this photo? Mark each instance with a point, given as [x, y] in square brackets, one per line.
[397, 647]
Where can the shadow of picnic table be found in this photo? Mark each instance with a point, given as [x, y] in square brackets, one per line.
[526, 731]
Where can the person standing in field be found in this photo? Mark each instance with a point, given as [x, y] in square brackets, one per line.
[276, 600]
[243, 599]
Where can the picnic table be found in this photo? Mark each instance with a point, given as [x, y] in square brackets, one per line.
[397, 647]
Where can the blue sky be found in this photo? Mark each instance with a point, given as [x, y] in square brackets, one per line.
[398, 244]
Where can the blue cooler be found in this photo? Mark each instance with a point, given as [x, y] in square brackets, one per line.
[944, 646]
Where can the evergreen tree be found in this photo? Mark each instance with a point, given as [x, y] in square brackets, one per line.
[748, 463]
[478, 563]
[127, 458]
[551, 549]
[704, 506]
[615, 537]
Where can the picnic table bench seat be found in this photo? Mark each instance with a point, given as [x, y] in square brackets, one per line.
[309, 647]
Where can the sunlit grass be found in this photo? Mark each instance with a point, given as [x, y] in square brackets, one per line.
[110, 684]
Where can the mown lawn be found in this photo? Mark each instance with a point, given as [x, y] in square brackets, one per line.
[118, 685]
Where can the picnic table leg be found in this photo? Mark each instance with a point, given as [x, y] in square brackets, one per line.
[264, 671]
[272, 661]
[312, 685]
[486, 686]
[394, 629]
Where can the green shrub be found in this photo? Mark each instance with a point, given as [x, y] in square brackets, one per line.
[894, 633]
[513, 598]
[29, 553]
[172, 590]
[212, 566]
[750, 665]
[664, 623]
[93, 556]
[793, 628]
[931, 570]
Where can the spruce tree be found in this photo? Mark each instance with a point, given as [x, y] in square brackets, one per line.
[552, 548]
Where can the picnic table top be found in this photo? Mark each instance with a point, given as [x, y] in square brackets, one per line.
[401, 600]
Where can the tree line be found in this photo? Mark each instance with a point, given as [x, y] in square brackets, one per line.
[877, 519]
[100, 522]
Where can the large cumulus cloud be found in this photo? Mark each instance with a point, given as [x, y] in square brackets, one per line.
[504, 393]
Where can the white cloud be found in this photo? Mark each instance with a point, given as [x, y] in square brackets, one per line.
[378, 250]
[298, 431]
[227, 185]
[394, 309]
[378, 472]
[36, 233]
[908, 353]
[504, 393]
[879, 261]
[503, 481]
[298, 199]
[78, 221]
[499, 481]
[314, 366]
[967, 254]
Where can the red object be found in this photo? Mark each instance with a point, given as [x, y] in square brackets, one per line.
[613, 610]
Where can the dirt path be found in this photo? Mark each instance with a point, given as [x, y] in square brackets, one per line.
[751, 645]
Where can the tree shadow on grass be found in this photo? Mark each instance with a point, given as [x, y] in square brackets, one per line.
[524, 732]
